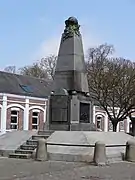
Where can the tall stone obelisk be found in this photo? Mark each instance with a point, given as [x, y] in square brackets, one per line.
[70, 106]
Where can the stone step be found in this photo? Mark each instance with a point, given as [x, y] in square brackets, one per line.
[31, 142]
[23, 151]
[28, 147]
[36, 137]
[21, 156]
[47, 132]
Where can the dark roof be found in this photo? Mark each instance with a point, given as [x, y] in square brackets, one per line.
[24, 85]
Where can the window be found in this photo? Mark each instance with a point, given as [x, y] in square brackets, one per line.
[27, 88]
[13, 112]
[35, 120]
[14, 120]
[121, 126]
[110, 126]
[99, 122]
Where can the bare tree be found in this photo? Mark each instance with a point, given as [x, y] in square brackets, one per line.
[111, 83]
[42, 69]
[34, 70]
[10, 69]
[48, 64]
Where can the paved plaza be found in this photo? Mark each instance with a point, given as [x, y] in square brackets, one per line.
[14, 169]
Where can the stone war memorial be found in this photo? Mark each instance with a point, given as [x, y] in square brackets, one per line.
[70, 106]
[70, 109]
[70, 134]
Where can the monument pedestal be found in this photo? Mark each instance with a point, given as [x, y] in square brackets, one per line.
[82, 127]
[70, 112]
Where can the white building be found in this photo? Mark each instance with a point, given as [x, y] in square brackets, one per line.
[100, 118]
[23, 102]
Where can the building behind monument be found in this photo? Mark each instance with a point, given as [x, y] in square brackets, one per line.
[23, 102]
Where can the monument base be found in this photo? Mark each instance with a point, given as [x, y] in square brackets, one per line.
[73, 127]
[82, 127]
[59, 127]
[86, 154]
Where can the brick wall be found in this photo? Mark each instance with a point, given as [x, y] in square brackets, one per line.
[8, 118]
[20, 119]
[21, 101]
[37, 103]
[22, 104]
[16, 99]
[41, 122]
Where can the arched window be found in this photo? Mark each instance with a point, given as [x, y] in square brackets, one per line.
[100, 121]
[14, 119]
[99, 118]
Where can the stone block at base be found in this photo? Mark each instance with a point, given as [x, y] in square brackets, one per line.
[130, 151]
[41, 151]
[100, 153]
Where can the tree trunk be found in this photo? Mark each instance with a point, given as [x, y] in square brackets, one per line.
[133, 124]
[114, 123]
[133, 128]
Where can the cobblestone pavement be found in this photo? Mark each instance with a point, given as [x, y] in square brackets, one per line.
[14, 169]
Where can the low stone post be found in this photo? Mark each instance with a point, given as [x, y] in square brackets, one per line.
[100, 154]
[41, 151]
[130, 151]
